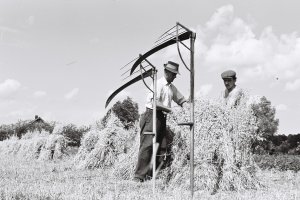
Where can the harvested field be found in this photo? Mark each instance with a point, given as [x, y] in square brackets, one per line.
[21, 179]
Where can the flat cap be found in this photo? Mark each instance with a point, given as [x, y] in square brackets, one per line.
[228, 74]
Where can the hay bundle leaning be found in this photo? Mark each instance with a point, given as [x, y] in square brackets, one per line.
[101, 147]
[54, 147]
[223, 139]
[35, 145]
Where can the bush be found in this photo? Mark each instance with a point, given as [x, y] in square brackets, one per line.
[127, 111]
[6, 131]
[73, 133]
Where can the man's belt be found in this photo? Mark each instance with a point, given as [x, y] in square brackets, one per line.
[157, 111]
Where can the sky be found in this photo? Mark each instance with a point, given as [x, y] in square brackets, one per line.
[60, 59]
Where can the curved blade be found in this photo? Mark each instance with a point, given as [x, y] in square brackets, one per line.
[132, 81]
[181, 37]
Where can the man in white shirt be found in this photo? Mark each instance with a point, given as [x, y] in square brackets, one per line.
[166, 92]
[232, 93]
[231, 97]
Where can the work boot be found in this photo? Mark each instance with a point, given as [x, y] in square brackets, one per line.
[137, 180]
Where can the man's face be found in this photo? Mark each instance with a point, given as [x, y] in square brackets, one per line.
[170, 76]
[229, 83]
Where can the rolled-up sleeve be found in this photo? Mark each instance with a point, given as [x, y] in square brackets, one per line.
[177, 96]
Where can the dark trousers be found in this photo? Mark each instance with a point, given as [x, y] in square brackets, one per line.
[143, 168]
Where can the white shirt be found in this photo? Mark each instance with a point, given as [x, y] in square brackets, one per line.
[233, 97]
[166, 92]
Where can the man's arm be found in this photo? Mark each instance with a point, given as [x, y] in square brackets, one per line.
[178, 97]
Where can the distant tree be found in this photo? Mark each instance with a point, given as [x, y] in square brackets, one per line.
[265, 115]
[6, 131]
[127, 111]
[293, 140]
[74, 133]
[266, 122]
[278, 139]
[21, 127]
[284, 147]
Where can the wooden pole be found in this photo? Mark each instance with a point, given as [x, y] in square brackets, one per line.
[154, 130]
[192, 127]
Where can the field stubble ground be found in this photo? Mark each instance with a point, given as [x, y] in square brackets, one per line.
[21, 179]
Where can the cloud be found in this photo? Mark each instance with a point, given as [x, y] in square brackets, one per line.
[39, 94]
[227, 41]
[94, 40]
[30, 20]
[281, 107]
[204, 90]
[292, 86]
[70, 95]
[9, 87]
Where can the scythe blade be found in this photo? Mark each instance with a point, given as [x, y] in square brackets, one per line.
[132, 81]
[181, 37]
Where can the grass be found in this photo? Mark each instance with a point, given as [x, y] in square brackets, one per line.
[280, 162]
[21, 179]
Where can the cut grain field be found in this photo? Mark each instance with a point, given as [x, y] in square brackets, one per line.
[23, 179]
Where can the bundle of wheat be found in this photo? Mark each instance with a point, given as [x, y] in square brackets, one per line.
[100, 148]
[223, 139]
[58, 128]
[10, 146]
[125, 163]
[42, 145]
[35, 134]
[28, 147]
[53, 148]
[31, 148]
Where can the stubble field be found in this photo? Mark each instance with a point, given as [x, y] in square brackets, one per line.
[23, 179]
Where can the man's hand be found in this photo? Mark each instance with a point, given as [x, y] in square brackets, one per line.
[185, 105]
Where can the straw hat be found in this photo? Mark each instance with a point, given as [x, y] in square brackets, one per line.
[172, 67]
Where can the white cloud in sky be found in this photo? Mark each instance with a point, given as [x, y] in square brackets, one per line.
[204, 90]
[94, 40]
[281, 107]
[71, 94]
[39, 94]
[9, 87]
[227, 41]
[292, 86]
[30, 20]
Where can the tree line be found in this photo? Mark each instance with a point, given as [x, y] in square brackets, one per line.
[128, 113]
